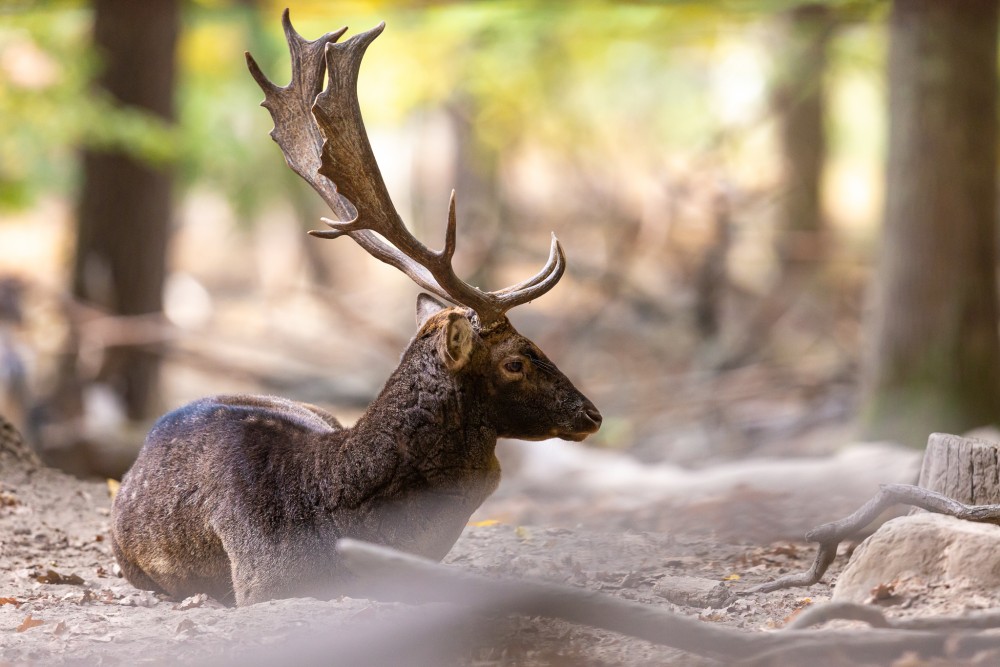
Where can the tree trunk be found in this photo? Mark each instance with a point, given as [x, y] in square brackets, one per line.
[125, 204]
[934, 353]
[799, 100]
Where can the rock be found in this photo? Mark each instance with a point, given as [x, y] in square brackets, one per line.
[140, 599]
[694, 591]
[926, 556]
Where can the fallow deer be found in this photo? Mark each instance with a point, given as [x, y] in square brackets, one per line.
[244, 497]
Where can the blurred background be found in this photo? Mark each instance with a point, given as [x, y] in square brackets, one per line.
[722, 176]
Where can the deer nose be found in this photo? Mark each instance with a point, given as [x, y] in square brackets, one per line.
[593, 414]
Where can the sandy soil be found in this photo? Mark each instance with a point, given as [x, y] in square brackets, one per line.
[61, 602]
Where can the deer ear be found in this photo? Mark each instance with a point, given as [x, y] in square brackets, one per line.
[455, 343]
[427, 306]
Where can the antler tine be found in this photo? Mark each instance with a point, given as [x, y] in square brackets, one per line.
[493, 305]
[539, 283]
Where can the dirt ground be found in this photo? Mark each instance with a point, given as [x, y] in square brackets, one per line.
[62, 603]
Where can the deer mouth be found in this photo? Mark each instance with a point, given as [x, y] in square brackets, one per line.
[587, 422]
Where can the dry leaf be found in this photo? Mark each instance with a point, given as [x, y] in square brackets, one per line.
[29, 623]
[12, 601]
[53, 577]
[522, 533]
[789, 550]
[113, 486]
[731, 577]
[882, 592]
[483, 524]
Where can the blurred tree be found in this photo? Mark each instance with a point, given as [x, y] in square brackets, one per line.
[125, 202]
[798, 100]
[934, 353]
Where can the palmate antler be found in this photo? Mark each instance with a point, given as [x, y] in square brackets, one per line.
[323, 138]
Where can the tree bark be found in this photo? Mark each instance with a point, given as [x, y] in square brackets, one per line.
[934, 356]
[964, 469]
[125, 204]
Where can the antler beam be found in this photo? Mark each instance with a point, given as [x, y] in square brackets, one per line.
[322, 136]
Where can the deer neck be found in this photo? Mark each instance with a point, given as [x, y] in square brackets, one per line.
[436, 423]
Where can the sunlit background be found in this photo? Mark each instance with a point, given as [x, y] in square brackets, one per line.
[705, 310]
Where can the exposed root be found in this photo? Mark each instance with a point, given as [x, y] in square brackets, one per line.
[830, 535]
[387, 574]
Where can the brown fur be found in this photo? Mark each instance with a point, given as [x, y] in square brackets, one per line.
[244, 497]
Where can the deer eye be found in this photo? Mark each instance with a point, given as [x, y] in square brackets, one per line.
[514, 366]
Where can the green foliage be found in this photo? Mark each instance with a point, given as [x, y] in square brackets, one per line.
[583, 79]
[49, 109]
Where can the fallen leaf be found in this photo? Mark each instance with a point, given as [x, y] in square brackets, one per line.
[483, 523]
[29, 623]
[731, 577]
[113, 486]
[53, 577]
[789, 550]
[882, 591]
[522, 533]
[12, 601]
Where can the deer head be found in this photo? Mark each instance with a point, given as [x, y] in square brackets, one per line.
[321, 133]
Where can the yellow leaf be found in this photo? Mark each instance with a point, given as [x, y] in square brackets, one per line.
[113, 486]
[29, 623]
[732, 577]
[522, 533]
[483, 523]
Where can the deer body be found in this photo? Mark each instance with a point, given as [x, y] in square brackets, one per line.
[244, 497]
[257, 490]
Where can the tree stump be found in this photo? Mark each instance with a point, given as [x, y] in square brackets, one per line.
[965, 469]
[940, 561]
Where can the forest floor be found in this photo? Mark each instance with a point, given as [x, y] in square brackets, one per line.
[564, 514]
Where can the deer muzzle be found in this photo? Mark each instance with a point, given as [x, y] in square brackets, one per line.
[587, 421]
